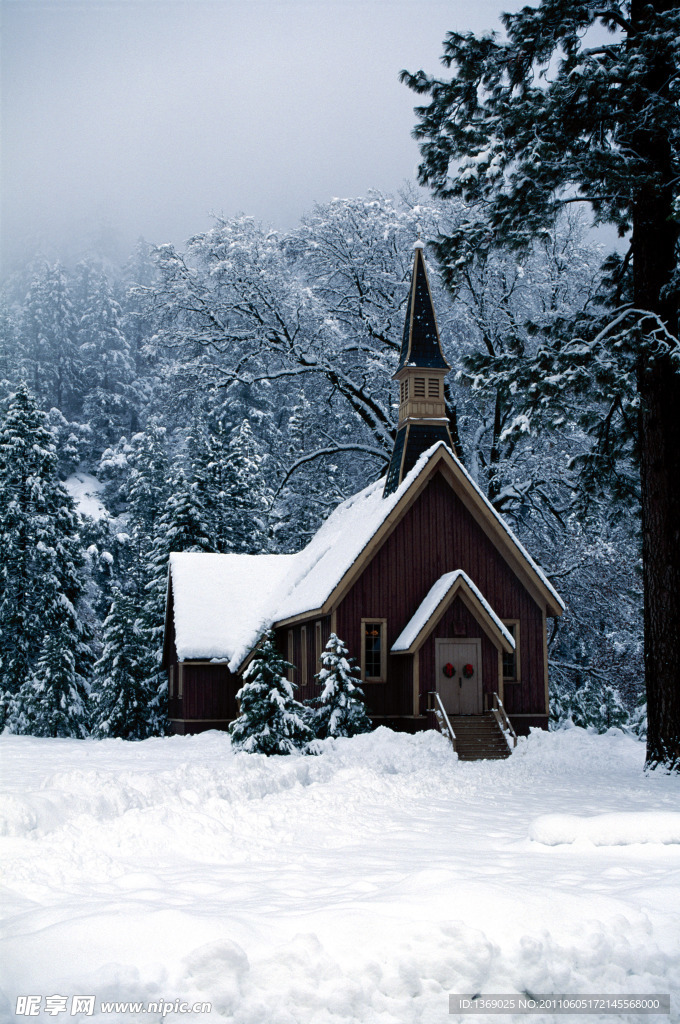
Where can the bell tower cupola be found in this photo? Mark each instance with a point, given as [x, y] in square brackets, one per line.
[420, 373]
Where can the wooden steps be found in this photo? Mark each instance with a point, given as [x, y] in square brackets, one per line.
[479, 738]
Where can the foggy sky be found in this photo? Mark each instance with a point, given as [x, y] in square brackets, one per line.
[123, 119]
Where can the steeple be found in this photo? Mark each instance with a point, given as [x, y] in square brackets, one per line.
[421, 372]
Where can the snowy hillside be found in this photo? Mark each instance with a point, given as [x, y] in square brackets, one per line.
[362, 885]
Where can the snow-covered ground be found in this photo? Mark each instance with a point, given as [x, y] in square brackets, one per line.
[362, 885]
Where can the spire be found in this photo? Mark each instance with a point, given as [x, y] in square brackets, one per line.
[421, 372]
[420, 344]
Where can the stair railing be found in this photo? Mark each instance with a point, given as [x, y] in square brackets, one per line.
[504, 723]
[443, 722]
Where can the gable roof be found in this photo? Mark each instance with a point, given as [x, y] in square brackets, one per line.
[223, 603]
[439, 597]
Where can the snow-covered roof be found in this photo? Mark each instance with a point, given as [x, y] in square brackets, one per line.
[223, 603]
[218, 600]
[434, 599]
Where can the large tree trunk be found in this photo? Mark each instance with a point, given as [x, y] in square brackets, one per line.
[655, 240]
[660, 473]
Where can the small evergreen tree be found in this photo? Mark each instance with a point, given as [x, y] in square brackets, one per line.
[121, 695]
[108, 365]
[340, 709]
[271, 720]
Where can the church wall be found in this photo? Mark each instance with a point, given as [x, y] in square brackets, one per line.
[438, 535]
[208, 698]
[307, 687]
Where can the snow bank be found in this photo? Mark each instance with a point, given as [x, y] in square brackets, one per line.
[359, 886]
[619, 829]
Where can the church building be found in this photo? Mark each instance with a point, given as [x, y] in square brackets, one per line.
[442, 607]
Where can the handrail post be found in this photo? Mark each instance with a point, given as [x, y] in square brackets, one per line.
[441, 713]
[504, 723]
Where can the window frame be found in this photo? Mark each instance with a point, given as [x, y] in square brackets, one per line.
[382, 623]
[318, 645]
[291, 655]
[513, 625]
[303, 655]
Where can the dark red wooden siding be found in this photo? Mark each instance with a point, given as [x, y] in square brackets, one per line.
[209, 692]
[306, 688]
[438, 535]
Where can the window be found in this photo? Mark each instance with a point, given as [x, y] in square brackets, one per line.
[419, 387]
[303, 656]
[317, 644]
[373, 650]
[511, 663]
[171, 681]
[403, 390]
[180, 678]
[433, 387]
[291, 655]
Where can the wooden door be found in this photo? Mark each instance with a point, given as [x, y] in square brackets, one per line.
[461, 693]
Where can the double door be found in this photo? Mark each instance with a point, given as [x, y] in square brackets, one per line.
[458, 666]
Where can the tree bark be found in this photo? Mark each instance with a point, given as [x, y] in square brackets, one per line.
[655, 241]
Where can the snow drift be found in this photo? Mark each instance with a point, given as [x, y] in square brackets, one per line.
[360, 885]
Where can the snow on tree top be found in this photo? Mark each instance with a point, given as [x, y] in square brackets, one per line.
[224, 603]
[85, 490]
[432, 601]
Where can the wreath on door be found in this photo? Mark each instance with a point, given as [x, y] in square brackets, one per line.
[468, 671]
[449, 670]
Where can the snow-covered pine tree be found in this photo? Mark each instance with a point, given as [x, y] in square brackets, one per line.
[40, 581]
[245, 492]
[147, 486]
[52, 701]
[9, 337]
[50, 356]
[108, 365]
[271, 720]
[591, 706]
[340, 709]
[121, 696]
[208, 453]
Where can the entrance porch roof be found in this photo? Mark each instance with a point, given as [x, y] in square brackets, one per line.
[441, 595]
